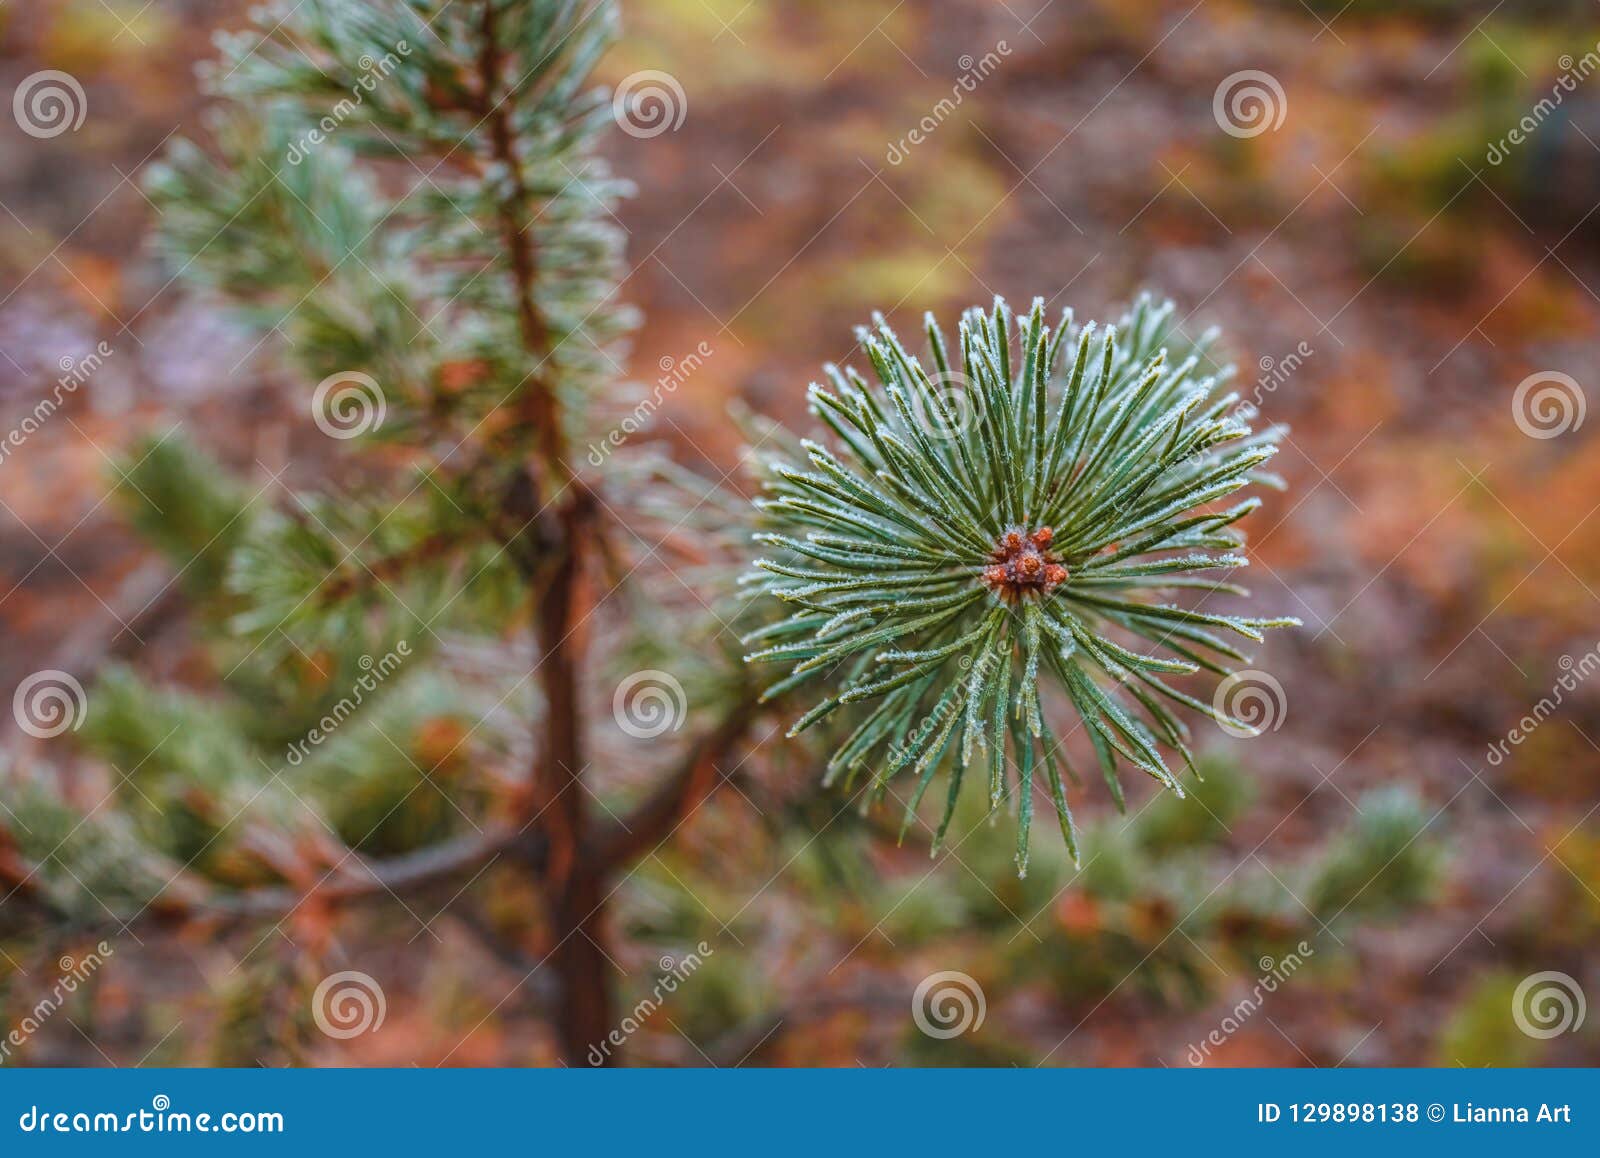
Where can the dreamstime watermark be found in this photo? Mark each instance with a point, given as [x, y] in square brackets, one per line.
[74, 972]
[1573, 73]
[673, 974]
[1250, 698]
[973, 72]
[1574, 672]
[674, 373]
[1275, 372]
[649, 703]
[649, 103]
[376, 671]
[1548, 1004]
[348, 404]
[160, 1118]
[949, 408]
[48, 703]
[74, 373]
[948, 1004]
[1548, 404]
[48, 103]
[1249, 103]
[1273, 974]
[899, 752]
[347, 1004]
[373, 70]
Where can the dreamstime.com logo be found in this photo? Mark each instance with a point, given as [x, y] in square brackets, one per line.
[75, 372]
[75, 971]
[348, 404]
[649, 103]
[649, 703]
[373, 70]
[674, 972]
[973, 73]
[1573, 673]
[948, 1004]
[1275, 372]
[1548, 404]
[674, 373]
[347, 1004]
[1573, 73]
[1548, 1004]
[160, 1118]
[1274, 972]
[49, 103]
[1249, 103]
[952, 409]
[1251, 698]
[48, 703]
[374, 673]
[902, 751]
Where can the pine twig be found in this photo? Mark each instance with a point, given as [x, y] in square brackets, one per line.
[693, 782]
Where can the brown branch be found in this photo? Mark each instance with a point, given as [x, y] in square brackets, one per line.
[391, 875]
[554, 540]
[574, 887]
[340, 585]
[540, 408]
[376, 879]
[696, 778]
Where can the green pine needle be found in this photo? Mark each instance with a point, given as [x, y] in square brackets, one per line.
[969, 533]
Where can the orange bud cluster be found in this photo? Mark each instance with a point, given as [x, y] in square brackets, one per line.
[1022, 562]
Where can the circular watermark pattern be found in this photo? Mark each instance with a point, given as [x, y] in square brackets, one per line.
[948, 1003]
[161, 1103]
[1548, 404]
[49, 103]
[649, 103]
[347, 1004]
[1252, 698]
[48, 703]
[1548, 1004]
[1249, 103]
[649, 703]
[348, 404]
[952, 408]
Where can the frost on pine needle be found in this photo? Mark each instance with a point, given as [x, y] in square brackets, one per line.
[1025, 507]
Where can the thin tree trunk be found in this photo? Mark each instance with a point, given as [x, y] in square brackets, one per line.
[574, 880]
[586, 1013]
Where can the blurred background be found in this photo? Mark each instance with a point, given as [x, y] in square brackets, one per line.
[1390, 208]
